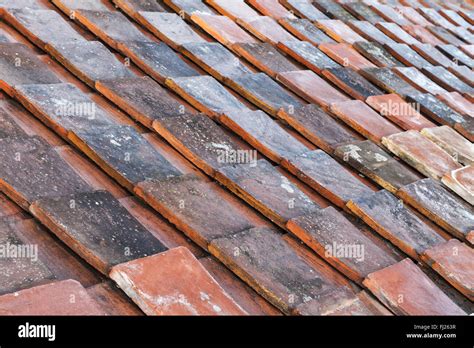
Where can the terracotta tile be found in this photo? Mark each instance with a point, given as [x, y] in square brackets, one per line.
[454, 17]
[468, 16]
[375, 53]
[351, 82]
[318, 127]
[8, 127]
[19, 4]
[386, 79]
[333, 10]
[63, 107]
[421, 34]
[399, 112]
[266, 58]
[123, 153]
[447, 80]
[346, 56]
[413, 15]
[435, 109]
[276, 271]
[363, 119]
[134, 7]
[418, 80]
[440, 205]
[24, 270]
[50, 299]
[458, 56]
[453, 261]
[205, 94]
[19, 66]
[389, 14]
[264, 92]
[157, 60]
[304, 9]
[311, 87]
[444, 35]
[263, 134]
[406, 290]
[233, 9]
[307, 55]
[97, 228]
[457, 102]
[463, 73]
[327, 176]
[188, 7]
[215, 59]
[452, 142]
[68, 6]
[142, 98]
[461, 181]
[90, 61]
[170, 28]
[340, 243]
[421, 153]
[112, 300]
[406, 55]
[305, 30]
[266, 29]
[223, 29]
[111, 27]
[36, 26]
[267, 190]
[191, 204]
[432, 55]
[433, 16]
[34, 170]
[468, 49]
[387, 215]
[200, 140]
[466, 34]
[363, 12]
[466, 128]
[370, 32]
[339, 31]
[173, 283]
[271, 8]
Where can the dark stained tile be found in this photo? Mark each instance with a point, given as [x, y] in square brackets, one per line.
[173, 283]
[200, 140]
[215, 59]
[331, 235]
[62, 107]
[170, 28]
[389, 14]
[90, 61]
[188, 7]
[307, 55]
[123, 153]
[421, 153]
[112, 300]
[440, 205]
[51, 299]
[406, 55]
[266, 29]
[305, 30]
[157, 60]
[375, 163]
[97, 228]
[351, 82]
[432, 54]
[447, 80]
[406, 290]
[370, 32]
[327, 176]
[233, 9]
[271, 8]
[33, 170]
[363, 119]
[333, 10]
[386, 79]
[311, 87]
[418, 80]
[265, 57]
[452, 142]
[304, 9]
[345, 55]
[318, 127]
[263, 133]
[387, 215]
[339, 31]
[267, 190]
[142, 98]
[376, 54]
[19, 66]
[363, 12]
[453, 261]
[276, 271]
[461, 181]
[8, 126]
[192, 203]
[206, 94]
[399, 111]
[36, 26]
[264, 92]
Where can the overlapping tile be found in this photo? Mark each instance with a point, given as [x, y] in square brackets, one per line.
[461, 181]
[406, 55]
[308, 55]
[339, 31]
[351, 82]
[305, 30]
[266, 29]
[376, 54]
[304, 9]
[345, 55]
